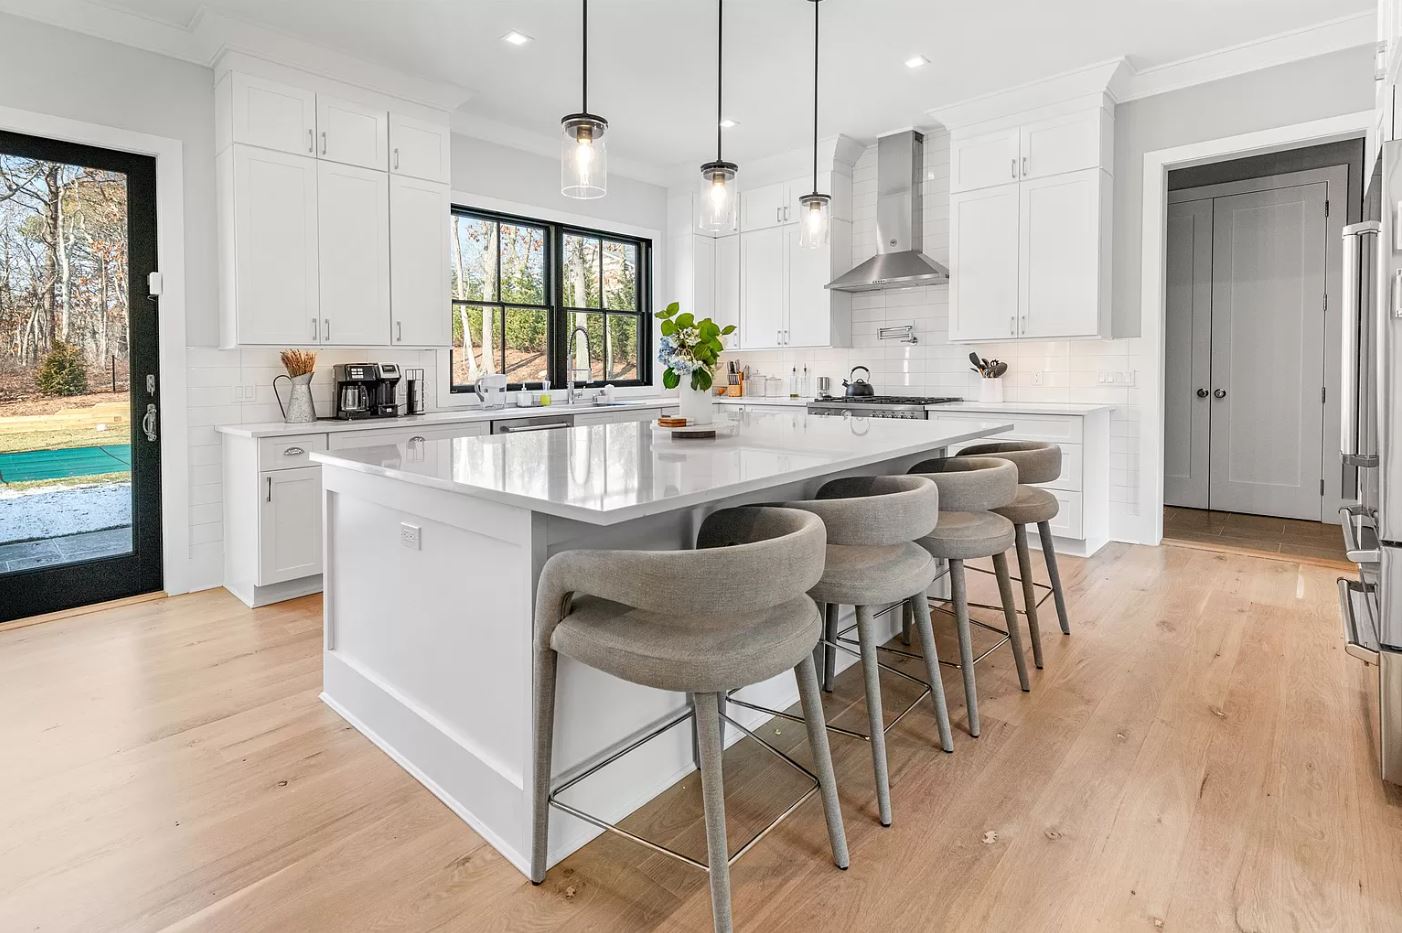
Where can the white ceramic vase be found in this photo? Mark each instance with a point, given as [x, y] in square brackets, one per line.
[990, 391]
[697, 407]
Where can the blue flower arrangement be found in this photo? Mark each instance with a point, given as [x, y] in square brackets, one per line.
[689, 347]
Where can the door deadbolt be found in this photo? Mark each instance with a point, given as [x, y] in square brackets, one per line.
[1219, 393]
[1202, 393]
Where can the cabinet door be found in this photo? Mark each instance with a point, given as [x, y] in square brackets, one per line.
[289, 525]
[763, 207]
[1061, 144]
[353, 207]
[983, 245]
[351, 133]
[983, 160]
[762, 287]
[728, 287]
[808, 306]
[272, 115]
[703, 276]
[419, 149]
[275, 247]
[1060, 252]
[419, 216]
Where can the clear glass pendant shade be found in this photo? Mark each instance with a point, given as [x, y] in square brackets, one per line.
[716, 212]
[814, 215]
[583, 157]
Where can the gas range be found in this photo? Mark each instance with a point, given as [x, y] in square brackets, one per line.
[909, 407]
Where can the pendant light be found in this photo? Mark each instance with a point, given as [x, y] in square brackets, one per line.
[814, 208]
[583, 152]
[717, 213]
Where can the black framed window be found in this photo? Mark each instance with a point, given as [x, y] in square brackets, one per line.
[522, 287]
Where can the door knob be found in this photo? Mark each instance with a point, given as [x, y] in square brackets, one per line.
[1219, 393]
[1202, 393]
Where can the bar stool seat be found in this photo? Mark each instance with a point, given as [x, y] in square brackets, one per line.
[1032, 505]
[969, 535]
[857, 576]
[691, 653]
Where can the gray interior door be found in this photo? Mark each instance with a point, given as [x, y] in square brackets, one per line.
[1267, 352]
[1188, 352]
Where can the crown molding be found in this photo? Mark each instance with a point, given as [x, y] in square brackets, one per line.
[1100, 78]
[209, 36]
[1334, 35]
[548, 145]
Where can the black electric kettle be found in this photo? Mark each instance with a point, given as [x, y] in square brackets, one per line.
[858, 388]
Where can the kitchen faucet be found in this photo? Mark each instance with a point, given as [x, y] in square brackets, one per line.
[570, 395]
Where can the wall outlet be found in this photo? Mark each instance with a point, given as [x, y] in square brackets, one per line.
[1116, 377]
[409, 536]
[245, 393]
[1037, 377]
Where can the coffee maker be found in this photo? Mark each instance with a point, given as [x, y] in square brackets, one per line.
[366, 390]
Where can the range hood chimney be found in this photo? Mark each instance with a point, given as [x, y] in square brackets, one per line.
[899, 262]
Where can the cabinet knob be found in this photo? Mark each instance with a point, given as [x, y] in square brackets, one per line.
[1219, 393]
[1202, 393]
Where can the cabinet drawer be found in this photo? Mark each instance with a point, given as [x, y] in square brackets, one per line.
[395, 436]
[286, 453]
[1054, 428]
[1068, 521]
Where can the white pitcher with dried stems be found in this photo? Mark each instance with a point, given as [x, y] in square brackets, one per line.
[300, 366]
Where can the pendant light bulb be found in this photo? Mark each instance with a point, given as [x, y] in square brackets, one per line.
[583, 150]
[815, 208]
[716, 213]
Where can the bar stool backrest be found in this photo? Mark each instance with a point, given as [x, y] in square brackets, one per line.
[971, 484]
[875, 511]
[1036, 461]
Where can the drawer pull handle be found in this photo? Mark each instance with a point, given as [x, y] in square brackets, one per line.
[417, 439]
[293, 452]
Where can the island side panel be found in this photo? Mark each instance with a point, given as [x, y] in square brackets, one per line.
[427, 648]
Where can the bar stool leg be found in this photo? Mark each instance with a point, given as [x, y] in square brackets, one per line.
[829, 652]
[1029, 593]
[907, 622]
[960, 594]
[1049, 555]
[807, 675]
[1005, 590]
[713, 800]
[919, 606]
[695, 739]
[866, 635]
[545, 664]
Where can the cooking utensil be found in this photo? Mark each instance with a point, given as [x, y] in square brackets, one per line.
[858, 388]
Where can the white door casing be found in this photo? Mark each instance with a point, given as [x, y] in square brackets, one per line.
[1188, 342]
[1267, 352]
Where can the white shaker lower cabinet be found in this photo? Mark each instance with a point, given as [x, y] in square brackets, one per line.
[1082, 526]
[289, 525]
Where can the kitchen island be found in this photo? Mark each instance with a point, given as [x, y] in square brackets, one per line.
[432, 553]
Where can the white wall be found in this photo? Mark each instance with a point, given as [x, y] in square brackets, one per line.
[107, 83]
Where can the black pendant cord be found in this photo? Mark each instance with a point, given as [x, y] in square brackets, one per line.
[720, 70]
[585, 80]
[815, 96]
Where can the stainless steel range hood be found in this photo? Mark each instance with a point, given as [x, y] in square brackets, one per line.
[899, 262]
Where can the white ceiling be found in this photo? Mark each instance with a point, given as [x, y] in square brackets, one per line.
[652, 62]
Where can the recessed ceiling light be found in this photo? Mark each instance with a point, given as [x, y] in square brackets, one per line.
[916, 61]
[728, 123]
[515, 38]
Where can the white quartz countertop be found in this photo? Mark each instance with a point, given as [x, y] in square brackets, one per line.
[783, 400]
[435, 418]
[610, 473]
[1019, 408]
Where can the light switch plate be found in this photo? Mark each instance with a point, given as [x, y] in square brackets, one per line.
[409, 536]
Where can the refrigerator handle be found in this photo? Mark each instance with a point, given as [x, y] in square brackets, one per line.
[1352, 317]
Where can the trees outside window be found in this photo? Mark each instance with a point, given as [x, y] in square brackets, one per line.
[521, 287]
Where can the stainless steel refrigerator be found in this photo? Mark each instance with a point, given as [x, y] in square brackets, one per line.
[1371, 444]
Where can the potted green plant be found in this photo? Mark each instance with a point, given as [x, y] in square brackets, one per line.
[690, 350]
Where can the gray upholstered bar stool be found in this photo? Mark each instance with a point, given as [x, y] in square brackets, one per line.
[872, 561]
[970, 489]
[642, 617]
[1036, 462]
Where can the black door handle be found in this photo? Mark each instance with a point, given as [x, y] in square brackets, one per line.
[1219, 393]
[1202, 393]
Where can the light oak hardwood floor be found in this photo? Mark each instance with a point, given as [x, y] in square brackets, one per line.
[1197, 755]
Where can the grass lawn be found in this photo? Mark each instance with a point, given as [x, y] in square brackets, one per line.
[53, 424]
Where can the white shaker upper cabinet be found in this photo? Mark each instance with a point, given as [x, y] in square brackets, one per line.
[1066, 143]
[983, 254]
[421, 308]
[271, 115]
[767, 206]
[762, 287]
[983, 160]
[809, 315]
[1064, 259]
[727, 307]
[270, 284]
[351, 133]
[419, 149]
[354, 248]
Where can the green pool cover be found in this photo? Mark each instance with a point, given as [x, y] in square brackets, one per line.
[29, 465]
